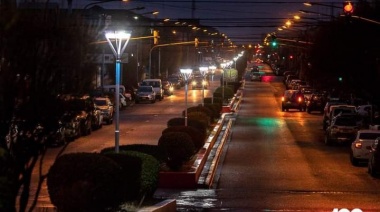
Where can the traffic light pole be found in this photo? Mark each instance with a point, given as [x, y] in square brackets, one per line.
[163, 45]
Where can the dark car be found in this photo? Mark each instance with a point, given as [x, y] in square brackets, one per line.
[293, 99]
[84, 109]
[342, 129]
[72, 125]
[54, 132]
[176, 81]
[316, 102]
[374, 159]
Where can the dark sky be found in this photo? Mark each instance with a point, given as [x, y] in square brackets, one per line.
[243, 21]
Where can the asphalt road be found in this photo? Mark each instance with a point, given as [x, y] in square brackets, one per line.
[277, 161]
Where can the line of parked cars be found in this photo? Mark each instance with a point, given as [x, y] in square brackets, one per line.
[343, 122]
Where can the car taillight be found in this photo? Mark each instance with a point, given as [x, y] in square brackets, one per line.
[299, 99]
[358, 145]
[282, 98]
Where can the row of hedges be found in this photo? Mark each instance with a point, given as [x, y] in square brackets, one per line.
[103, 181]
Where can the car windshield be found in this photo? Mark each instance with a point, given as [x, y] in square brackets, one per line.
[145, 89]
[342, 111]
[345, 122]
[152, 83]
[100, 102]
[369, 136]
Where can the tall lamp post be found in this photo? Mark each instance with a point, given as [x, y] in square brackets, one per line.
[118, 41]
[203, 71]
[186, 72]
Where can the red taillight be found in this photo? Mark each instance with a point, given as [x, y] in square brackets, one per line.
[299, 99]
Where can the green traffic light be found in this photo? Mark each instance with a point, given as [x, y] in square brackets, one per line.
[274, 43]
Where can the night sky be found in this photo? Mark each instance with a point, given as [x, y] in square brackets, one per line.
[243, 21]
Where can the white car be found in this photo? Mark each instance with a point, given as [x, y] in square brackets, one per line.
[361, 146]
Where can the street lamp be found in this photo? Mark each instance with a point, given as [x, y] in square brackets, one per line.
[203, 71]
[186, 72]
[118, 41]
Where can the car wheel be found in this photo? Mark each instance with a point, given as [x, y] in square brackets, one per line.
[327, 140]
[354, 161]
[371, 170]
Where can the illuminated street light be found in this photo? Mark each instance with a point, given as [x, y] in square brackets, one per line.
[203, 71]
[186, 73]
[118, 41]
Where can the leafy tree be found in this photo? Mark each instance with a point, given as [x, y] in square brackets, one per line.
[42, 54]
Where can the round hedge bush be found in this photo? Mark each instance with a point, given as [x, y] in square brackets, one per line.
[178, 148]
[197, 137]
[85, 182]
[215, 108]
[141, 172]
[199, 108]
[152, 150]
[190, 122]
[228, 92]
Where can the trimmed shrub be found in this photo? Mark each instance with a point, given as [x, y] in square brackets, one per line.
[131, 173]
[141, 172]
[190, 122]
[85, 182]
[197, 137]
[215, 109]
[228, 93]
[178, 148]
[234, 86]
[199, 108]
[152, 150]
[201, 117]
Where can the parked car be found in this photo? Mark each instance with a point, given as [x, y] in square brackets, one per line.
[374, 158]
[104, 105]
[315, 103]
[361, 146]
[293, 99]
[157, 86]
[54, 131]
[145, 93]
[326, 111]
[72, 125]
[84, 109]
[343, 128]
[336, 110]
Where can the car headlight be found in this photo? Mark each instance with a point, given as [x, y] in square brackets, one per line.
[193, 83]
[204, 82]
[171, 88]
